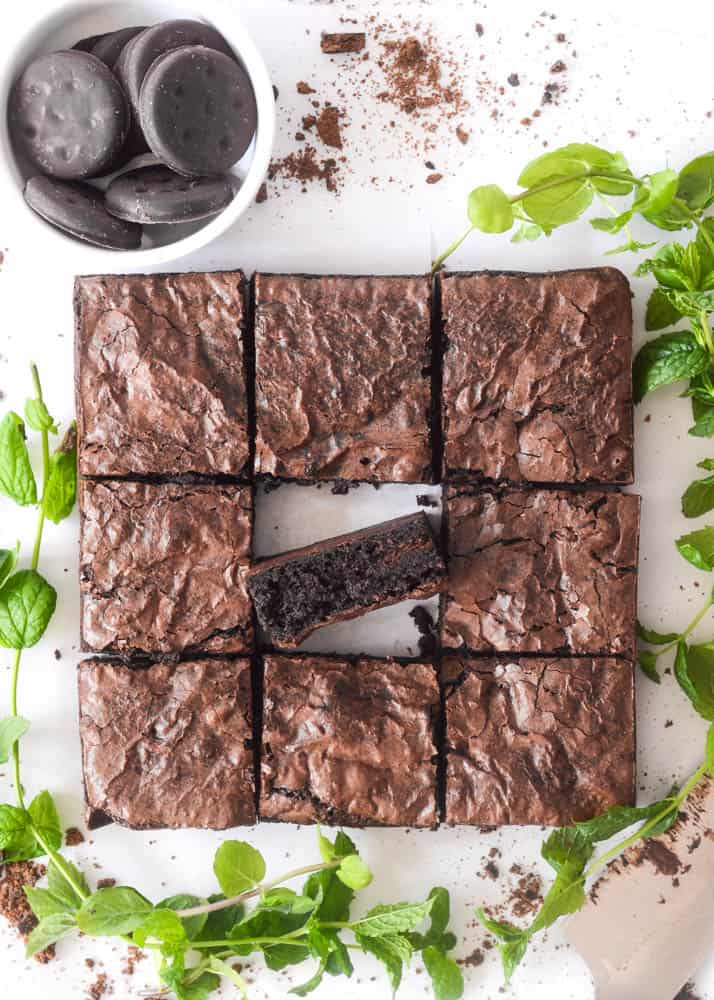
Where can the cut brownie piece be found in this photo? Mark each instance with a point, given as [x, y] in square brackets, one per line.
[541, 571]
[162, 567]
[537, 381]
[344, 577]
[537, 740]
[160, 376]
[343, 385]
[349, 742]
[167, 745]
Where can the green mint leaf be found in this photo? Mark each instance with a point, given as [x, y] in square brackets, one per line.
[27, 603]
[238, 867]
[566, 895]
[512, 954]
[709, 751]
[662, 188]
[327, 848]
[37, 416]
[500, 929]
[660, 312]
[17, 480]
[690, 304]
[703, 413]
[489, 209]
[446, 978]
[698, 498]
[344, 845]
[666, 359]
[384, 950]
[613, 223]
[648, 665]
[528, 232]
[118, 910]
[439, 913]
[17, 841]
[286, 900]
[227, 971]
[313, 982]
[396, 918]
[200, 988]
[60, 887]
[706, 463]
[48, 931]
[354, 872]
[555, 206]
[655, 638]
[696, 182]
[44, 904]
[697, 547]
[11, 729]
[272, 923]
[694, 670]
[192, 925]
[160, 925]
[618, 818]
[567, 847]
[332, 896]
[513, 942]
[45, 820]
[61, 489]
[568, 161]
[218, 923]
[632, 246]
[8, 561]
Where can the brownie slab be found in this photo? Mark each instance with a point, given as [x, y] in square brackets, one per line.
[160, 376]
[349, 742]
[537, 381]
[541, 571]
[343, 386]
[162, 567]
[340, 578]
[537, 740]
[167, 745]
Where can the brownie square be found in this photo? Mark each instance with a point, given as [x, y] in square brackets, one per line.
[537, 382]
[541, 571]
[349, 742]
[160, 375]
[537, 740]
[168, 745]
[340, 578]
[162, 567]
[343, 377]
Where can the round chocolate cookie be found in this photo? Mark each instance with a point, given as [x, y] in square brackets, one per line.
[68, 114]
[87, 44]
[108, 47]
[198, 110]
[79, 209]
[157, 195]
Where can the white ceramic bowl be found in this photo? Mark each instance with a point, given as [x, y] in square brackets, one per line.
[65, 25]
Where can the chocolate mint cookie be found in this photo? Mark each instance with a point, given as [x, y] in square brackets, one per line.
[198, 110]
[79, 209]
[68, 114]
[108, 47]
[158, 195]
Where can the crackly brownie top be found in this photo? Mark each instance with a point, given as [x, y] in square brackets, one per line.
[343, 377]
[160, 374]
[541, 571]
[537, 740]
[168, 745]
[537, 376]
[162, 567]
[349, 742]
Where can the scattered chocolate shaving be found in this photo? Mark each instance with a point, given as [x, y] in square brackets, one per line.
[73, 836]
[473, 960]
[305, 167]
[328, 126]
[99, 987]
[14, 907]
[304, 88]
[262, 194]
[343, 41]
[106, 883]
[434, 178]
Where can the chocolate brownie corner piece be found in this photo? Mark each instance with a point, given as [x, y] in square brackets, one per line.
[160, 374]
[537, 740]
[349, 742]
[343, 377]
[169, 745]
[541, 571]
[163, 568]
[537, 381]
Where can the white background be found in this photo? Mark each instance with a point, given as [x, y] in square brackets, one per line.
[640, 83]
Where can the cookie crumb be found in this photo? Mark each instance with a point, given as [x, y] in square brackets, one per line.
[343, 41]
[73, 836]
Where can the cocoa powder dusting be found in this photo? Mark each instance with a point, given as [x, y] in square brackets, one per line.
[14, 907]
[306, 167]
[419, 76]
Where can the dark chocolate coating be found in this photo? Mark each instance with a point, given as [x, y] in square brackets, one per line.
[87, 44]
[541, 571]
[157, 195]
[79, 210]
[349, 743]
[167, 745]
[340, 578]
[197, 110]
[537, 382]
[68, 115]
[343, 369]
[160, 379]
[537, 740]
[162, 568]
[108, 47]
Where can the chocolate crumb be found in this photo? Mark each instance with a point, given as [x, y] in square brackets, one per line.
[491, 870]
[479, 30]
[99, 987]
[462, 135]
[660, 856]
[133, 956]
[304, 88]
[343, 41]
[433, 178]
[57, 654]
[106, 883]
[14, 907]
[426, 626]
[558, 67]
[73, 836]
[424, 500]
[262, 194]
[473, 960]
[514, 80]
[328, 127]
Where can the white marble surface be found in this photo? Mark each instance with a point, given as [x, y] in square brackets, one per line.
[638, 83]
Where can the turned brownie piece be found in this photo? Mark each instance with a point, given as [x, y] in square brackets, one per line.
[162, 567]
[168, 745]
[349, 742]
[343, 378]
[537, 381]
[160, 376]
[299, 591]
[541, 571]
[537, 740]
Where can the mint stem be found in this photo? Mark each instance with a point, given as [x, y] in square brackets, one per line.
[689, 629]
